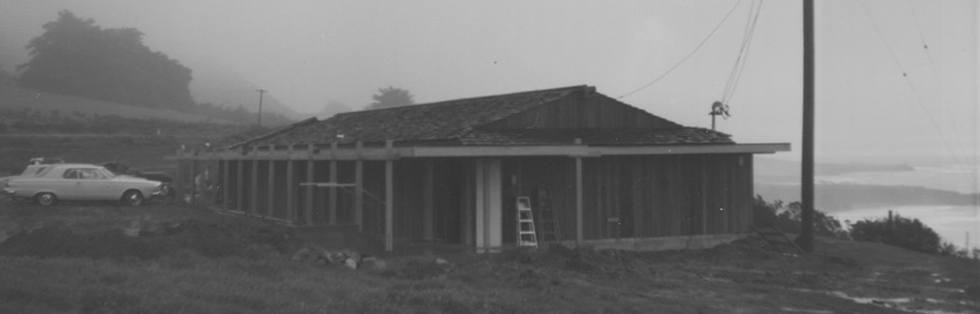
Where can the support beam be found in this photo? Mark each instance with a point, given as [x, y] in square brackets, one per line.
[308, 209]
[579, 234]
[704, 195]
[805, 239]
[240, 186]
[332, 192]
[271, 189]
[290, 191]
[194, 195]
[359, 192]
[225, 181]
[254, 205]
[428, 189]
[389, 202]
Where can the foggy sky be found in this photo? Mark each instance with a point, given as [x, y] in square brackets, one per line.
[307, 53]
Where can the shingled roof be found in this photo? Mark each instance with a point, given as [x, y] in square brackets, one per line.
[458, 122]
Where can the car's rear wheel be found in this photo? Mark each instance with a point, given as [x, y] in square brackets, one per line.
[45, 199]
[132, 198]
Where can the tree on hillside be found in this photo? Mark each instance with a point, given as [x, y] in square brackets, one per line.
[900, 231]
[787, 218]
[77, 57]
[391, 97]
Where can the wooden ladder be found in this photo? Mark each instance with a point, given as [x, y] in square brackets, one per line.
[777, 240]
[548, 228]
[526, 235]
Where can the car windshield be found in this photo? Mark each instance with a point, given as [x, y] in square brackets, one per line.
[107, 173]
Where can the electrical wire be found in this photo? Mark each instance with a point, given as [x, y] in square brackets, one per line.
[918, 98]
[743, 54]
[686, 57]
[922, 37]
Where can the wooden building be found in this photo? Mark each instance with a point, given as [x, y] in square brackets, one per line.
[451, 171]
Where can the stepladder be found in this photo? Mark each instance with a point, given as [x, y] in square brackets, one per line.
[526, 234]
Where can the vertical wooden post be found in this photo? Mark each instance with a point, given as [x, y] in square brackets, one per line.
[359, 188]
[579, 233]
[332, 193]
[194, 182]
[427, 200]
[254, 206]
[290, 187]
[271, 188]
[704, 195]
[389, 201]
[308, 209]
[468, 202]
[240, 186]
[179, 178]
[805, 240]
[225, 181]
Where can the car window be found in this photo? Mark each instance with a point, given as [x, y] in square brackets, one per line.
[91, 174]
[41, 171]
[72, 174]
[107, 173]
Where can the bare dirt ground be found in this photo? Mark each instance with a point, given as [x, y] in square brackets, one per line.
[100, 258]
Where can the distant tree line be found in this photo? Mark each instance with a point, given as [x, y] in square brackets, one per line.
[74, 56]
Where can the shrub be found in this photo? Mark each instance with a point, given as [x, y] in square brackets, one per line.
[787, 218]
[899, 231]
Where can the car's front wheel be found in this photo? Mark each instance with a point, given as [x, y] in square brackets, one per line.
[45, 199]
[132, 198]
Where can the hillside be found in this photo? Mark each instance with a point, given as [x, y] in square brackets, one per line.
[839, 197]
[17, 98]
[172, 259]
[223, 87]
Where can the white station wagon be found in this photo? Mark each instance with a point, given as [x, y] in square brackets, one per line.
[48, 183]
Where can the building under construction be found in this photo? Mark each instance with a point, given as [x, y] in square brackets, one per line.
[596, 171]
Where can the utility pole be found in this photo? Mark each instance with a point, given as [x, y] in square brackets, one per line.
[805, 240]
[261, 93]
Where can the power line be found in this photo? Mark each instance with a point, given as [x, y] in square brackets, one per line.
[743, 54]
[685, 58]
[922, 37]
[911, 85]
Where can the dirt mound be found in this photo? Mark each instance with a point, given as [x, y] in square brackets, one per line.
[155, 240]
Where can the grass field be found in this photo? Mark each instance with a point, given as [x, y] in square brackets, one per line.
[143, 152]
[77, 258]
[13, 97]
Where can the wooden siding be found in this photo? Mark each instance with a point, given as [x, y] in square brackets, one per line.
[637, 196]
[578, 112]
[651, 196]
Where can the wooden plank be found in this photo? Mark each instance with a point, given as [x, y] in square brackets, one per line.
[389, 203]
[290, 191]
[194, 189]
[308, 209]
[359, 192]
[498, 151]
[329, 184]
[428, 203]
[271, 189]
[332, 193]
[578, 201]
[254, 205]
[704, 196]
[240, 185]
[225, 180]
[592, 151]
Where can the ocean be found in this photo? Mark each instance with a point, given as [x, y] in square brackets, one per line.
[958, 225]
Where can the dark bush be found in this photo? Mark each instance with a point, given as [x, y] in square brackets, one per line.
[898, 231]
[787, 218]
